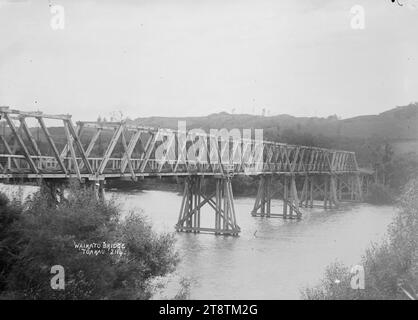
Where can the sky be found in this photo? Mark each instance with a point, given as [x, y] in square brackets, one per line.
[197, 57]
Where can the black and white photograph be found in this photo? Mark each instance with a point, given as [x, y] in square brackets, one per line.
[208, 155]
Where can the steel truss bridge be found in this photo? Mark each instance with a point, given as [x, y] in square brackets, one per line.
[94, 152]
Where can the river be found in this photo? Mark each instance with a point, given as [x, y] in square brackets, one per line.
[272, 258]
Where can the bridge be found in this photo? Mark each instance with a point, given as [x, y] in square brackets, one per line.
[93, 152]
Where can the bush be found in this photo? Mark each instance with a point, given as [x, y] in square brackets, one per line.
[391, 268]
[9, 214]
[46, 233]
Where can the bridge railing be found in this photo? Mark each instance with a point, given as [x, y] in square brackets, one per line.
[13, 164]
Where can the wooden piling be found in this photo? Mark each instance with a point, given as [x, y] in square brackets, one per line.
[221, 201]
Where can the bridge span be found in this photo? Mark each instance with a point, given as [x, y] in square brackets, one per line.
[94, 152]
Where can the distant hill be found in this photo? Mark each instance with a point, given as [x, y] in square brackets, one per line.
[397, 126]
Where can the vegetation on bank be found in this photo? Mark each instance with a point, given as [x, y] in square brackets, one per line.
[242, 185]
[39, 233]
[379, 194]
[391, 268]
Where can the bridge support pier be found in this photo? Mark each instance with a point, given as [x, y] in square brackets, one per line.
[262, 206]
[307, 194]
[324, 188]
[221, 201]
[266, 190]
[349, 188]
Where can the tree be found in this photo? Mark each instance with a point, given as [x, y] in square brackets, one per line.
[9, 214]
[383, 162]
[53, 234]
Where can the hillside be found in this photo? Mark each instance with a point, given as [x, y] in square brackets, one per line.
[398, 124]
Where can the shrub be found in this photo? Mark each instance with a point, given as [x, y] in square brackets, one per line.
[47, 233]
[10, 212]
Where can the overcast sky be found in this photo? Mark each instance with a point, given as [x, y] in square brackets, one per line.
[195, 57]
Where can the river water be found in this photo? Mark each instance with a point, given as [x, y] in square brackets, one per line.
[272, 258]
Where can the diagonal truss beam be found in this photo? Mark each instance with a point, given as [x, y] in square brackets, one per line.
[21, 143]
[52, 144]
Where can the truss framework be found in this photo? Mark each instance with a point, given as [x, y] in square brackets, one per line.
[219, 156]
